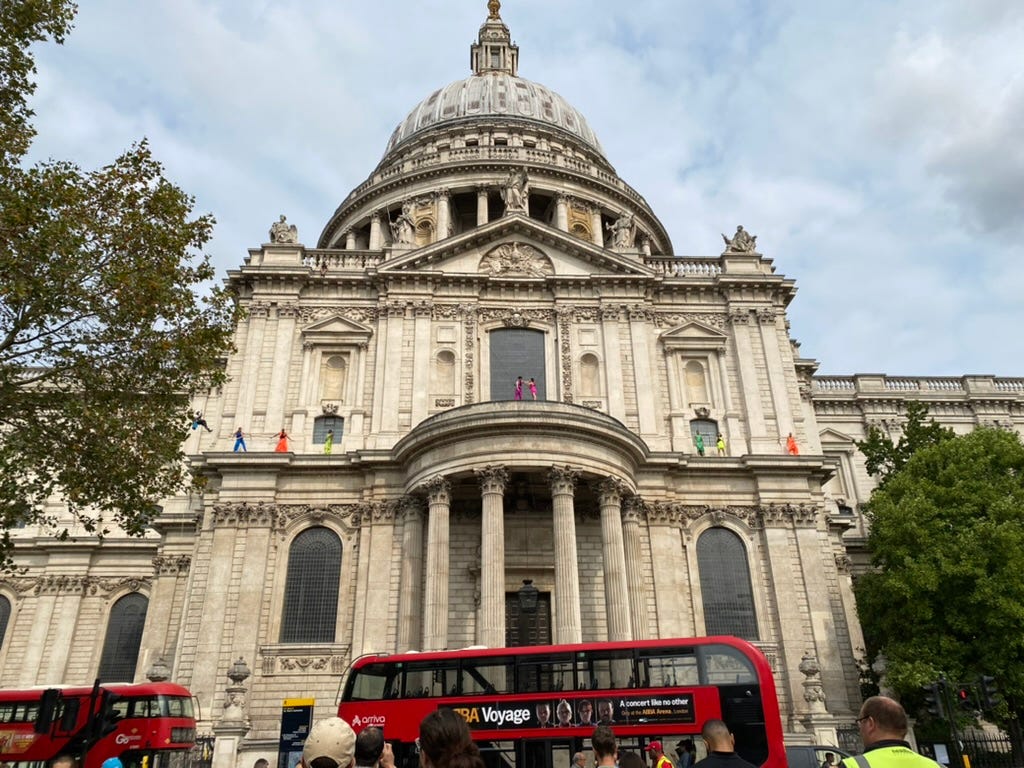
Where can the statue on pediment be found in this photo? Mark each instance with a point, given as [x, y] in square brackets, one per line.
[516, 260]
[623, 231]
[741, 242]
[516, 192]
[283, 232]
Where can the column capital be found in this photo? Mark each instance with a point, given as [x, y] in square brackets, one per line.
[493, 478]
[611, 490]
[633, 509]
[410, 509]
[439, 490]
[563, 480]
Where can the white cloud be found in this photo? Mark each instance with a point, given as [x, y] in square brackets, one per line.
[870, 146]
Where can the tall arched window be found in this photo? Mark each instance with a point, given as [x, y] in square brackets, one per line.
[725, 585]
[333, 375]
[311, 588]
[124, 638]
[5, 618]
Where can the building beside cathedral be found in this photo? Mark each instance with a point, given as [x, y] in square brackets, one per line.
[519, 381]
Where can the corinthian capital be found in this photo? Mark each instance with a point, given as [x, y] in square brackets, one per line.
[611, 490]
[563, 480]
[439, 490]
[493, 478]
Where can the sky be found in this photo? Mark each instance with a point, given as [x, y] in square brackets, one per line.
[874, 147]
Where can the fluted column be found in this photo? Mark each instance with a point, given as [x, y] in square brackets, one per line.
[633, 508]
[491, 627]
[481, 206]
[561, 212]
[616, 593]
[376, 241]
[350, 240]
[568, 621]
[596, 233]
[435, 620]
[409, 601]
[444, 214]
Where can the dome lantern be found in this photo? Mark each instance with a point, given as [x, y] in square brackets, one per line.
[494, 50]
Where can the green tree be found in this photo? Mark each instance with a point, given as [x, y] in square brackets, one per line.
[103, 336]
[883, 456]
[947, 543]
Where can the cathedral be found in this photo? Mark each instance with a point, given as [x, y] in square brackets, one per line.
[490, 370]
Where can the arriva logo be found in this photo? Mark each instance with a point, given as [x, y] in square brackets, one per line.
[367, 720]
[124, 739]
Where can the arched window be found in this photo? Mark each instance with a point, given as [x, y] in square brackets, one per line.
[707, 429]
[590, 385]
[124, 638]
[725, 585]
[311, 588]
[696, 383]
[333, 375]
[323, 423]
[5, 618]
[444, 373]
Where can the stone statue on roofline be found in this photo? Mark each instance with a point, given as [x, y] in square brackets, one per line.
[283, 232]
[741, 242]
[623, 231]
[516, 192]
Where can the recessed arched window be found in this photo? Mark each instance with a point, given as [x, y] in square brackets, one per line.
[696, 383]
[590, 384]
[725, 585]
[333, 376]
[123, 640]
[311, 587]
[5, 618]
[444, 373]
[323, 423]
[707, 429]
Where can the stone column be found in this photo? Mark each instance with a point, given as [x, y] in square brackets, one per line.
[435, 620]
[481, 205]
[759, 440]
[568, 621]
[444, 214]
[491, 624]
[409, 599]
[561, 212]
[635, 567]
[350, 240]
[597, 232]
[616, 593]
[376, 241]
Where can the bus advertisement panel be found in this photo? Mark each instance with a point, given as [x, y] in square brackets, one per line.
[534, 706]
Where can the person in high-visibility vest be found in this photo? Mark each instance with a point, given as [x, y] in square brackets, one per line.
[883, 728]
[658, 755]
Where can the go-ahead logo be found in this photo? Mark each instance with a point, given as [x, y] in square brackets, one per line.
[367, 720]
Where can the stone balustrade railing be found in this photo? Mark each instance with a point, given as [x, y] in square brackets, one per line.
[675, 267]
[335, 260]
[874, 384]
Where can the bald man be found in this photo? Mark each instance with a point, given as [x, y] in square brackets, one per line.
[721, 747]
[883, 728]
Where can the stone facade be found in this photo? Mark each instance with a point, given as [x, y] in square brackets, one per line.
[445, 492]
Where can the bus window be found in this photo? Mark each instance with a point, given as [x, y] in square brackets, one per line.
[69, 714]
[373, 682]
[607, 669]
[661, 668]
[726, 666]
[177, 706]
[487, 675]
[431, 679]
[545, 674]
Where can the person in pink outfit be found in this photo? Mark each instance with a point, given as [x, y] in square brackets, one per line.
[533, 388]
[518, 393]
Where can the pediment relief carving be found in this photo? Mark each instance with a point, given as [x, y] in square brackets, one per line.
[336, 329]
[694, 335]
[515, 259]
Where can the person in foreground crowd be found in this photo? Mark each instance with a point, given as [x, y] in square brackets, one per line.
[721, 746]
[445, 742]
[606, 749]
[657, 754]
[331, 743]
[883, 728]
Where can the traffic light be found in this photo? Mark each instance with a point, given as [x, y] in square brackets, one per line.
[106, 718]
[964, 699]
[989, 692]
[933, 693]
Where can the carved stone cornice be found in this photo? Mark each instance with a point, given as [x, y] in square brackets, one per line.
[785, 515]
[563, 480]
[364, 315]
[445, 311]
[673, 319]
[493, 478]
[171, 565]
[311, 660]
[58, 584]
[245, 515]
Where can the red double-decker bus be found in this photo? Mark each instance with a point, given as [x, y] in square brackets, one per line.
[535, 706]
[147, 726]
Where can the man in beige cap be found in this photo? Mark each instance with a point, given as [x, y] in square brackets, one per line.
[331, 744]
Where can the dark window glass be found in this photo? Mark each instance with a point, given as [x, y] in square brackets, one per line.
[725, 585]
[706, 428]
[311, 588]
[5, 617]
[322, 423]
[517, 352]
[124, 636]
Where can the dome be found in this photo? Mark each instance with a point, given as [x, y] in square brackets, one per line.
[495, 94]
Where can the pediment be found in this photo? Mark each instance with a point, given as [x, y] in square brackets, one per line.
[515, 247]
[694, 335]
[834, 436]
[336, 330]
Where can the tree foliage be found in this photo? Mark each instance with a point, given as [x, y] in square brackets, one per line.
[883, 456]
[947, 541]
[103, 337]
